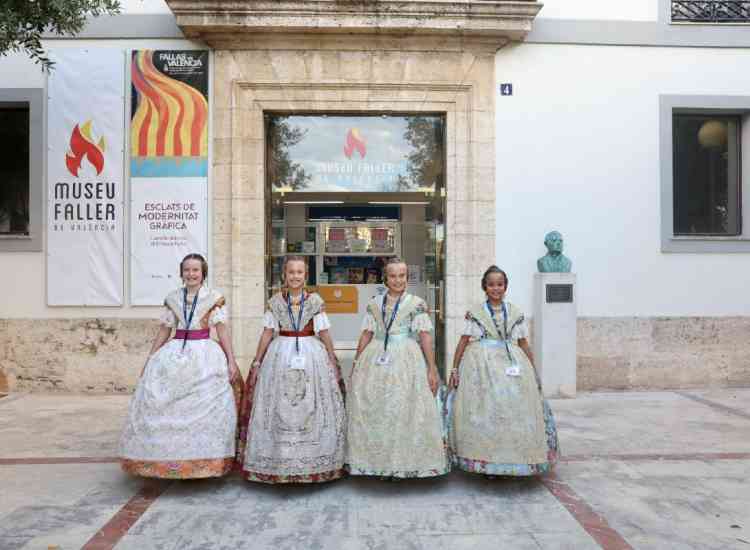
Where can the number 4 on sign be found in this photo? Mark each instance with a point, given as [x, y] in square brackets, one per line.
[506, 89]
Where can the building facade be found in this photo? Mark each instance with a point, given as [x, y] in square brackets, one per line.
[579, 116]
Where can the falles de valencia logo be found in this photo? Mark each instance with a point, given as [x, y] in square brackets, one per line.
[82, 145]
[354, 141]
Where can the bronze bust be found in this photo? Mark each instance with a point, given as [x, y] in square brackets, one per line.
[554, 261]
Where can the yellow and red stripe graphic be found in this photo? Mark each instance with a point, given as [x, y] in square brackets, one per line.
[171, 119]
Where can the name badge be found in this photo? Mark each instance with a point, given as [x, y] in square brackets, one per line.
[513, 370]
[384, 360]
[297, 362]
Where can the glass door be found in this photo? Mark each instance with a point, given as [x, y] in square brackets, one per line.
[349, 191]
[434, 277]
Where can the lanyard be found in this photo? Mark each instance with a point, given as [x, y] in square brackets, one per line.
[505, 326]
[389, 324]
[296, 326]
[188, 320]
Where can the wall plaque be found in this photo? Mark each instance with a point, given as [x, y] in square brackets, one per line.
[559, 294]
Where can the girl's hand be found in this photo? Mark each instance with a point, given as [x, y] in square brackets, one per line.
[538, 380]
[234, 371]
[433, 379]
[254, 370]
[454, 379]
[335, 364]
[351, 372]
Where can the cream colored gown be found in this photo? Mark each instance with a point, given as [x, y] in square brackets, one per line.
[499, 423]
[395, 424]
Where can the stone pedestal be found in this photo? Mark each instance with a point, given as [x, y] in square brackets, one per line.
[555, 332]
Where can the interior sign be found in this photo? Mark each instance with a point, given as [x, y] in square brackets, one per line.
[506, 89]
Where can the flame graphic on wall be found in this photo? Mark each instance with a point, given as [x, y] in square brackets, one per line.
[82, 145]
[172, 117]
[354, 141]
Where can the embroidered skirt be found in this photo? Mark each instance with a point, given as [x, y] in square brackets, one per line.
[182, 419]
[293, 421]
[499, 424]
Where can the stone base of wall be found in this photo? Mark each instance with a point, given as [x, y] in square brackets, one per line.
[629, 353]
[106, 355]
[74, 355]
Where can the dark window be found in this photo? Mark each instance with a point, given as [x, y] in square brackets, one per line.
[14, 169]
[706, 175]
[711, 11]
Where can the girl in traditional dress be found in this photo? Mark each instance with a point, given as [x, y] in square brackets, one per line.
[395, 426]
[500, 423]
[293, 420]
[182, 419]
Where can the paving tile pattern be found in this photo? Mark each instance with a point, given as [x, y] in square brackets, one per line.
[646, 470]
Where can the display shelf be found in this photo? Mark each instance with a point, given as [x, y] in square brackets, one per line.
[359, 254]
[374, 238]
[338, 246]
[348, 265]
[283, 254]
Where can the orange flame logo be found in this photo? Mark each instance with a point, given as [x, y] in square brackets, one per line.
[354, 141]
[82, 145]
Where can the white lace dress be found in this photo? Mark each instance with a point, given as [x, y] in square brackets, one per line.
[182, 419]
[295, 430]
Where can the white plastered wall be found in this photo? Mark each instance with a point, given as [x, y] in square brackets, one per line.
[23, 274]
[606, 10]
[578, 151]
[144, 6]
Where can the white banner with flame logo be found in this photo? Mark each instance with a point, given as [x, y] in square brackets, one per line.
[86, 128]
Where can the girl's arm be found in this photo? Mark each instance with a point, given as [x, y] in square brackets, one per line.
[325, 337]
[523, 343]
[265, 340]
[364, 340]
[161, 337]
[225, 341]
[457, 356]
[433, 378]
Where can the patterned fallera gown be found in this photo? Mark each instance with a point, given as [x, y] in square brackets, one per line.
[499, 422]
[182, 419]
[395, 427]
[293, 419]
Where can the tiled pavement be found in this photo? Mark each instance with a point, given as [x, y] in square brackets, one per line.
[640, 470]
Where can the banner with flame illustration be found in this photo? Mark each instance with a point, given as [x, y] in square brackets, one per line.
[168, 167]
[86, 131]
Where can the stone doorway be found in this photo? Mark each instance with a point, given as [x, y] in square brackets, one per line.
[364, 57]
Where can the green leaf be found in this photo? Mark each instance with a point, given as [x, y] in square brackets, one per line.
[22, 23]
